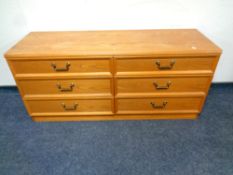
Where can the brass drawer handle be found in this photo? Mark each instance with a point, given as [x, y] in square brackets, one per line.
[160, 87]
[69, 108]
[160, 106]
[69, 89]
[172, 63]
[63, 69]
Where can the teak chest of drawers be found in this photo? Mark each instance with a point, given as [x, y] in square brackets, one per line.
[114, 75]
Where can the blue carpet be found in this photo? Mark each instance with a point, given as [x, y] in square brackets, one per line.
[196, 147]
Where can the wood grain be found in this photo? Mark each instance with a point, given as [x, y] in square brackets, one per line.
[143, 106]
[116, 42]
[162, 85]
[64, 86]
[90, 106]
[114, 75]
[45, 66]
[149, 64]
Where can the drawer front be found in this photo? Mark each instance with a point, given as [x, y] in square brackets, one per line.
[82, 106]
[161, 85]
[160, 104]
[61, 66]
[76, 86]
[164, 64]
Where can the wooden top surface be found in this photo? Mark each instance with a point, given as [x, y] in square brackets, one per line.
[119, 43]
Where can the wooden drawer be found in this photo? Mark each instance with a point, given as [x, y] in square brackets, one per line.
[161, 85]
[164, 64]
[60, 66]
[80, 106]
[70, 86]
[158, 105]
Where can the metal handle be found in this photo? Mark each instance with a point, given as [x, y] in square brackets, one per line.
[63, 69]
[69, 108]
[165, 67]
[62, 89]
[159, 87]
[160, 106]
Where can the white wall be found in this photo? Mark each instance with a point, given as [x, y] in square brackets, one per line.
[213, 17]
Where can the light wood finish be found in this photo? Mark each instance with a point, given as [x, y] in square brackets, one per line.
[64, 86]
[162, 85]
[164, 74]
[114, 75]
[158, 105]
[76, 107]
[119, 117]
[149, 64]
[61, 66]
[105, 43]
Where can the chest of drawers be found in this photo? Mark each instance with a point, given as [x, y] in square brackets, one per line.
[114, 75]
